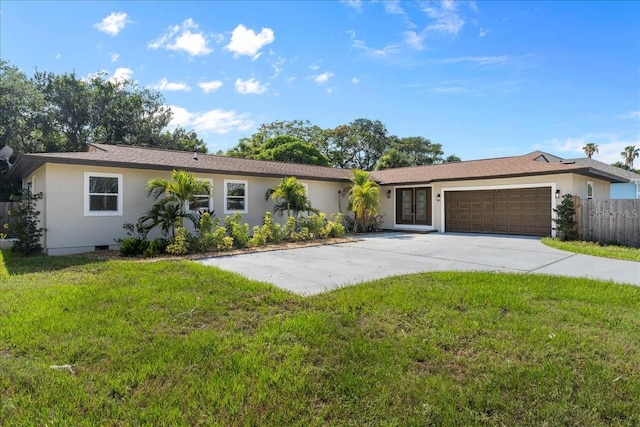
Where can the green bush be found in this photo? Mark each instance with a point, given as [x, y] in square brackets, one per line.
[566, 224]
[155, 248]
[132, 246]
[337, 229]
[276, 234]
[289, 228]
[25, 225]
[237, 230]
[226, 244]
[303, 234]
[207, 223]
[180, 244]
[259, 238]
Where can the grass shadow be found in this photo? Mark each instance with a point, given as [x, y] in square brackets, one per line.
[12, 264]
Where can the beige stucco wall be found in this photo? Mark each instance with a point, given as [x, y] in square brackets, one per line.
[566, 183]
[70, 231]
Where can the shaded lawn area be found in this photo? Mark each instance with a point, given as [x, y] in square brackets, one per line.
[178, 343]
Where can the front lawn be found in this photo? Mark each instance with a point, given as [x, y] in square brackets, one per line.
[595, 249]
[178, 343]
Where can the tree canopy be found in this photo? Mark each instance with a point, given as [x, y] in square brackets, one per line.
[361, 144]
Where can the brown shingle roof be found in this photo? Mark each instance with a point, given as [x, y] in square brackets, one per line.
[146, 158]
[536, 163]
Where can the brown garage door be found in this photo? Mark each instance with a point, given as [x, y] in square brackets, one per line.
[525, 211]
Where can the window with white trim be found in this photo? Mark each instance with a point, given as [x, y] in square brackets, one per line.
[204, 202]
[235, 196]
[589, 189]
[102, 194]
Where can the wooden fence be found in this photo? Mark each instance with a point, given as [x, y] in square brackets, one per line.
[5, 207]
[609, 221]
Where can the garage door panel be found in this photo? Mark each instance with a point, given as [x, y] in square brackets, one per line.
[506, 211]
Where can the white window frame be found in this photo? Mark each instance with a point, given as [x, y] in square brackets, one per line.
[246, 196]
[210, 196]
[87, 199]
[589, 189]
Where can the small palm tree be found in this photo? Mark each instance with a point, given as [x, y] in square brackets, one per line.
[590, 149]
[178, 193]
[364, 198]
[290, 196]
[630, 153]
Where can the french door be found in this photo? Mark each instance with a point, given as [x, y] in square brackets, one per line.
[413, 206]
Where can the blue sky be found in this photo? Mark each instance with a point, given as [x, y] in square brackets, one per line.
[484, 79]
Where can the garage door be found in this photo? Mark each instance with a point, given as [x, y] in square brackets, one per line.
[525, 211]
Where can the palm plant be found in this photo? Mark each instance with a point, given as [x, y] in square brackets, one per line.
[290, 196]
[177, 193]
[590, 149]
[630, 153]
[364, 198]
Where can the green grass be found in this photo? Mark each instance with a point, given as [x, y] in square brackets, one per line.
[178, 343]
[595, 249]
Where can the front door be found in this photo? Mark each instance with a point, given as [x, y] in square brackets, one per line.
[413, 206]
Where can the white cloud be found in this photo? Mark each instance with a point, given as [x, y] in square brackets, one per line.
[185, 37]
[314, 67]
[58, 56]
[375, 53]
[278, 66]
[393, 7]
[608, 152]
[114, 56]
[445, 16]
[354, 4]
[121, 74]
[479, 60]
[211, 86]
[484, 31]
[166, 85]
[215, 121]
[113, 23]
[323, 78]
[414, 40]
[355, 80]
[246, 42]
[631, 115]
[251, 86]
[449, 89]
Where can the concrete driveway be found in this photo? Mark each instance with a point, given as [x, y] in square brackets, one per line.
[316, 269]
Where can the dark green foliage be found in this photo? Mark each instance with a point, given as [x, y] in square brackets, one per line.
[26, 223]
[566, 225]
[290, 196]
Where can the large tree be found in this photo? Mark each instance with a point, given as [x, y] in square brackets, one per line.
[285, 148]
[358, 145]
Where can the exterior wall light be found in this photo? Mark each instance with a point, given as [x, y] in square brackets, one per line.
[438, 197]
[557, 194]
[388, 194]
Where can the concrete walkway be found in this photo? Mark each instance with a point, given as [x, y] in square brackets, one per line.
[316, 269]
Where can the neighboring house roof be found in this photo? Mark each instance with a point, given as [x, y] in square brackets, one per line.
[536, 163]
[148, 158]
[614, 170]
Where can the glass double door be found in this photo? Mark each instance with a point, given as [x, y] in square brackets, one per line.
[413, 206]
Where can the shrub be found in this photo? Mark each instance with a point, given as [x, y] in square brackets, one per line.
[155, 247]
[259, 237]
[565, 222]
[179, 245]
[25, 226]
[276, 234]
[226, 244]
[289, 228]
[303, 234]
[132, 246]
[207, 223]
[337, 230]
[237, 230]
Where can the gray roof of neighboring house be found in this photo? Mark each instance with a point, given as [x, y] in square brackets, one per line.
[536, 163]
[630, 175]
